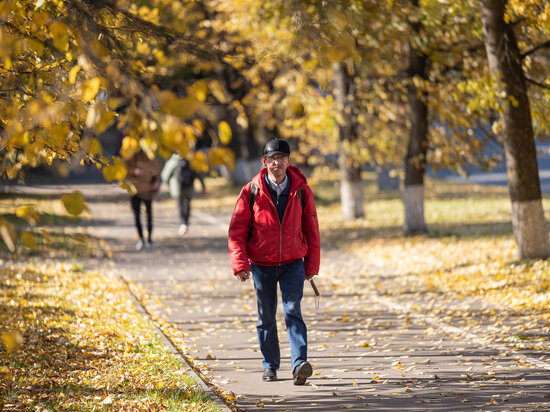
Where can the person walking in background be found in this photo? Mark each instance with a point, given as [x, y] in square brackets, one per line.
[144, 174]
[180, 177]
[274, 233]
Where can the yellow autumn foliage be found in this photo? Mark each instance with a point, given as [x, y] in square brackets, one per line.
[224, 132]
[90, 88]
[115, 171]
[74, 203]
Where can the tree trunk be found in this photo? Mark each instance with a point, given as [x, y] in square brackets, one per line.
[415, 161]
[528, 220]
[351, 185]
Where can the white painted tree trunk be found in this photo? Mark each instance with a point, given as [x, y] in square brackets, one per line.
[413, 200]
[530, 230]
[505, 63]
[351, 186]
[352, 197]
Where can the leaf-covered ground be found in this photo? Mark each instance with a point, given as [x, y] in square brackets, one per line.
[384, 332]
[467, 255]
[78, 343]
[469, 250]
[72, 340]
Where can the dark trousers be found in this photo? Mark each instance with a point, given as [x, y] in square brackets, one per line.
[290, 278]
[184, 208]
[136, 208]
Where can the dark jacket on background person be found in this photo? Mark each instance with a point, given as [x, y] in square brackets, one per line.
[274, 242]
[169, 175]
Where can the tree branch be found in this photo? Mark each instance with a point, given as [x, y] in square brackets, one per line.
[535, 49]
[471, 48]
[543, 85]
[48, 43]
[196, 47]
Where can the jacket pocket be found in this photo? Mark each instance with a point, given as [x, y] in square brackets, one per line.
[302, 239]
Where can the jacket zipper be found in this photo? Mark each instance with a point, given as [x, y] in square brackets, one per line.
[280, 233]
[281, 224]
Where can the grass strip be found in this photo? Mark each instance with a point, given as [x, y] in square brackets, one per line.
[74, 341]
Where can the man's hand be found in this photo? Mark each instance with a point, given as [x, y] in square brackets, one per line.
[309, 277]
[243, 275]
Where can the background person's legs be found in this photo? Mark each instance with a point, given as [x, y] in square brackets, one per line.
[149, 211]
[184, 208]
[136, 209]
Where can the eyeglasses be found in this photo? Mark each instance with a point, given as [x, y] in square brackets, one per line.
[278, 158]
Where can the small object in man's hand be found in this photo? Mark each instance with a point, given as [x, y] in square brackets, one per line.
[314, 286]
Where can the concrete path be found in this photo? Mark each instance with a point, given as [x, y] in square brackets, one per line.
[369, 351]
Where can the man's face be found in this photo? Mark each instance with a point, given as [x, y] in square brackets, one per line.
[276, 166]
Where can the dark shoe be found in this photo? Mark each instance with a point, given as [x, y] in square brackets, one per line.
[270, 375]
[301, 373]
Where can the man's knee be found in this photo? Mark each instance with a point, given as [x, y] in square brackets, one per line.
[292, 307]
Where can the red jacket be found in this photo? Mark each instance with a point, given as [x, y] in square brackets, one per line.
[274, 243]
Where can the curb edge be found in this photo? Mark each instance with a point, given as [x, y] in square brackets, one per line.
[168, 343]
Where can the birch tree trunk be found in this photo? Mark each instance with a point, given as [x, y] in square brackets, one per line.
[351, 186]
[415, 161]
[528, 220]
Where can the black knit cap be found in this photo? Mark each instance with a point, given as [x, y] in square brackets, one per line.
[276, 146]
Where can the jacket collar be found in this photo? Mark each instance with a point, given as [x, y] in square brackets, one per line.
[297, 179]
[274, 186]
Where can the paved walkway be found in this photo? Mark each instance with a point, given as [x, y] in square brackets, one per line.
[369, 351]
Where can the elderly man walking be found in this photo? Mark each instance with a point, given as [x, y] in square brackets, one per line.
[274, 233]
